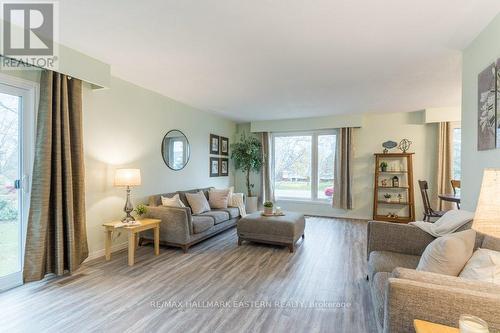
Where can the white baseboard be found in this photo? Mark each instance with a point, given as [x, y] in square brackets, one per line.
[101, 253]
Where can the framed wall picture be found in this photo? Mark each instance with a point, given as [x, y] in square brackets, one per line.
[214, 166]
[224, 167]
[224, 146]
[498, 104]
[214, 144]
[486, 117]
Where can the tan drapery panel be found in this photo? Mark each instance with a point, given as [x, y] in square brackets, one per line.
[266, 174]
[342, 188]
[445, 164]
[56, 240]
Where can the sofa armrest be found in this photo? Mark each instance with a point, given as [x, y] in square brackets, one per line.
[177, 224]
[397, 237]
[407, 300]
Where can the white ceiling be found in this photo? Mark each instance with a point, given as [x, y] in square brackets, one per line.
[273, 59]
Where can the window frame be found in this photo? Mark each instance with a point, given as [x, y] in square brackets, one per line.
[453, 126]
[314, 163]
[29, 91]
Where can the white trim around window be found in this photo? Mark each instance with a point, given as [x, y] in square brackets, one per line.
[314, 183]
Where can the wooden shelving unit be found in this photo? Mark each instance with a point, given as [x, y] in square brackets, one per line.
[401, 210]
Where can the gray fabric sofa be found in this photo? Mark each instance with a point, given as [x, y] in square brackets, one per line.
[183, 229]
[401, 294]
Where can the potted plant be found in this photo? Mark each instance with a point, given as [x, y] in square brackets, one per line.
[268, 208]
[383, 166]
[140, 210]
[387, 197]
[247, 157]
[400, 197]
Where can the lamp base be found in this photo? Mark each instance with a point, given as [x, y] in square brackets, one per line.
[129, 219]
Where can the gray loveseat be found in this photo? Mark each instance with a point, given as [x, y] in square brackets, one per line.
[401, 294]
[183, 229]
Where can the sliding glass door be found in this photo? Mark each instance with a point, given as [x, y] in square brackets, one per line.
[16, 133]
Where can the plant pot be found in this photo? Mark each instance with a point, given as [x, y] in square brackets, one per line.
[251, 205]
[383, 169]
[388, 200]
[268, 210]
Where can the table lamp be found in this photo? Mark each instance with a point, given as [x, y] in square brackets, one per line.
[487, 217]
[128, 178]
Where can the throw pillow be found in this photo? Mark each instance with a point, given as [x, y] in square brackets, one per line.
[484, 265]
[174, 201]
[448, 254]
[198, 202]
[218, 199]
[451, 221]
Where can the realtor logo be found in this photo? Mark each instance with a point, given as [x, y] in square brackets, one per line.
[28, 33]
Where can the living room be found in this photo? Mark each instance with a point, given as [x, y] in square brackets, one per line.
[227, 166]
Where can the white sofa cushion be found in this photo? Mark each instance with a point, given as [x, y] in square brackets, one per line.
[484, 265]
[174, 201]
[448, 254]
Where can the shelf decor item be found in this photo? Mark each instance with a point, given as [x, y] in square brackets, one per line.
[268, 208]
[389, 145]
[128, 178]
[383, 166]
[404, 145]
[399, 185]
[395, 181]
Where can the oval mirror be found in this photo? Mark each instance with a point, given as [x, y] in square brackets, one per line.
[175, 149]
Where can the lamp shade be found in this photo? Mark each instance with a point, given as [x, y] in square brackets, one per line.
[127, 177]
[487, 217]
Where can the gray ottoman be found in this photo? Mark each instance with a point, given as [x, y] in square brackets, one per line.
[280, 230]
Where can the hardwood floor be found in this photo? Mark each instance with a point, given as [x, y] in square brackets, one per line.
[327, 270]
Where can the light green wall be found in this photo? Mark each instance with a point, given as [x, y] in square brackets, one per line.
[368, 139]
[124, 127]
[483, 51]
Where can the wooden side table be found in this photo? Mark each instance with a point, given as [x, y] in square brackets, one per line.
[422, 326]
[133, 230]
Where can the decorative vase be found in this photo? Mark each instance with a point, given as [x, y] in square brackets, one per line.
[268, 210]
[251, 204]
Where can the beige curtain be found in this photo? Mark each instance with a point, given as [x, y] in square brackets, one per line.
[342, 188]
[267, 188]
[445, 164]
[56, 240]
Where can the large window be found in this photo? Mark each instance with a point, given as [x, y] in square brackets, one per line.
[457, 141]
[304, 165]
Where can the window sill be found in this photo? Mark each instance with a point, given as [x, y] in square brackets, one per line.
[305, 201]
